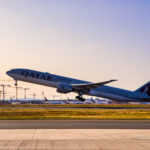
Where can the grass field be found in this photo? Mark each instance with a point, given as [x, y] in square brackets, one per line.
[78, 105]
[39, 113]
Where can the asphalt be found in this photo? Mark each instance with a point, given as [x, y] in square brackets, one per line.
[74, 124]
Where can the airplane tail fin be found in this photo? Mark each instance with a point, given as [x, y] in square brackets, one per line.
[144, 89]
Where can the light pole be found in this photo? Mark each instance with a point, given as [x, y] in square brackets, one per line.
[3, 86]
[34, 95]
[17, 91]
[25, 93]
[16, 87]
[43, 95]
[0, 94]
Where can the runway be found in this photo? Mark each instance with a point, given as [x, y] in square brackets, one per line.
[74, 139]
[74, 124]
[74, 134]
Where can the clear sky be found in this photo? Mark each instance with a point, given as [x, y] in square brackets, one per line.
[94, 40]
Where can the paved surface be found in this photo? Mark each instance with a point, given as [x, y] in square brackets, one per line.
[74, 124]
[74, 139]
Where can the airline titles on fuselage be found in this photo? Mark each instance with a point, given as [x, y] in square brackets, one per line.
[44, 76]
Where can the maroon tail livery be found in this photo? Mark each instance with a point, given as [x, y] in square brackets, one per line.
[145, 89]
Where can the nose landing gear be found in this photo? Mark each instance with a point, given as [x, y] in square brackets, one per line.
[16, 83]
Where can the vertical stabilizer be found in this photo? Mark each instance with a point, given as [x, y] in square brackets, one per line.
[145, 89]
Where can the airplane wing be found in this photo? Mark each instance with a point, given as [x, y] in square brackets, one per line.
[90, 86]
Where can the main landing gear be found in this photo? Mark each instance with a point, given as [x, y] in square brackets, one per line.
[79, 97]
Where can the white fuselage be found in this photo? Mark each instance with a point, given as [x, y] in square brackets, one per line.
[51, 80]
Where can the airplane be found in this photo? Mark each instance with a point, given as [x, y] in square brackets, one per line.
[66, 85]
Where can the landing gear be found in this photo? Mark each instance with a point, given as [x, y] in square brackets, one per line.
[80, 97]
[16, 83]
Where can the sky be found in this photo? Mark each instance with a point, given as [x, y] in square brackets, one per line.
[93, 40]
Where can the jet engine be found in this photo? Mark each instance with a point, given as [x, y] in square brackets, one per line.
[64, 88]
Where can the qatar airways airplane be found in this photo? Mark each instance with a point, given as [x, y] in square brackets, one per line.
[67, 85]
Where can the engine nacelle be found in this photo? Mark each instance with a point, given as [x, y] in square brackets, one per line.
[64, 88]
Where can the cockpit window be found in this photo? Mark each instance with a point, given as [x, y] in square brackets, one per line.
[12, 71]
[15, 71]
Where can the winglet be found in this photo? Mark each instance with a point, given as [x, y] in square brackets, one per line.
[109, 81]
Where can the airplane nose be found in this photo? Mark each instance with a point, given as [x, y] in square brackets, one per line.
[8, 72]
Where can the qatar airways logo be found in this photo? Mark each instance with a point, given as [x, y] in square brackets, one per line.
[146, 89]
[36, 75]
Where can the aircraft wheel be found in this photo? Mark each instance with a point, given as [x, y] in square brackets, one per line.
[80, 98]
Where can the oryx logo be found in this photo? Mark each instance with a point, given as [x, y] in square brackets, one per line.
[146, 89]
